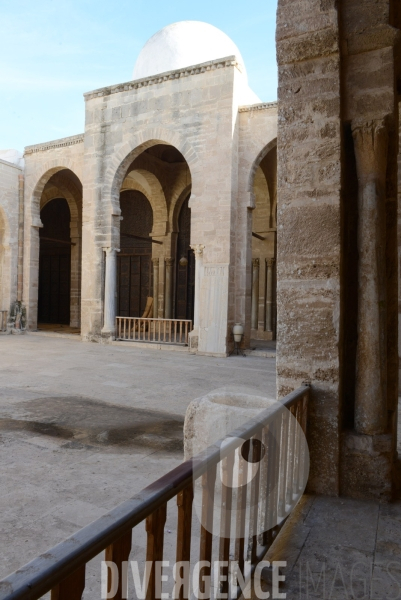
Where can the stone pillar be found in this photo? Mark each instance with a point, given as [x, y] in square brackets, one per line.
[155, 262]
[371, 143]
[269, 294]
[255, 293]
[110, 292]
[168, 313]
[198, 250]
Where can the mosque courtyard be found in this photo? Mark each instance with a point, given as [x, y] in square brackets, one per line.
[85, 426]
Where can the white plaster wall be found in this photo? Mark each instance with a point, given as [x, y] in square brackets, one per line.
[9, 209]
[41, 162]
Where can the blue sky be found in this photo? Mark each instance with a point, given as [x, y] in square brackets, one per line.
[54, 51]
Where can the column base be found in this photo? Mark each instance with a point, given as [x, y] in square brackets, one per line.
[193, 340]
[367, 466]
[107, 335]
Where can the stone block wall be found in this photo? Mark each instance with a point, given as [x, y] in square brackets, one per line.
[10, 176]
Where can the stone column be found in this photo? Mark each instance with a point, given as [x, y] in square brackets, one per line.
[110, 292]
[168, 313]
[198, 250]
[255, 293]
[269, 294]
[155, 262]
[371, 143]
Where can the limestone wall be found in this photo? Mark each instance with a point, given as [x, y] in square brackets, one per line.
[10, 175]
[257, 135]
[195, 111]
[308, 223]
[42, 161]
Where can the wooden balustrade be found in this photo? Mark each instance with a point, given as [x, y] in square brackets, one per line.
[272, 453]
[162, 331]
[3, 320]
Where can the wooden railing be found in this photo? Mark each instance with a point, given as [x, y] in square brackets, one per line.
[275, 489]
[162, 331]
[3, 320]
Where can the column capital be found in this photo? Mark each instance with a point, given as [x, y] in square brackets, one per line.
[255, 262]
[155, 260]
[169, 261]
[111, 250]
[370, 144]
[198, 250]
[270, 261]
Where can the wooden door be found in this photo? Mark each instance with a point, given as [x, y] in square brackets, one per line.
[54, 287]
[134, 284]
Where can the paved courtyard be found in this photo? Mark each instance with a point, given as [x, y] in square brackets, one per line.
[85, 426]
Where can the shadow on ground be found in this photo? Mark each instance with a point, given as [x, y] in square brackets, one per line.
[84, 423]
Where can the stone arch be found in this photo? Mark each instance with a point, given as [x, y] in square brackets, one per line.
[265, 150]
[38, 195]
[121, 161]
[150, 186]
[176, 207]
[34, 191]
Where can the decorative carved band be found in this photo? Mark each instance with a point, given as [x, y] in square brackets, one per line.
[261, 106]
[68, 141]
[229, 61]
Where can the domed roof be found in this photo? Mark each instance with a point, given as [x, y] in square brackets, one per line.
[181, 45]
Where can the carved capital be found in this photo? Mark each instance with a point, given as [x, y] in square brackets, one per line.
[371, 147]
[270, 262]
[169, 262]
[198, 250]
[155, 261]
[111, 251]
[255, 263]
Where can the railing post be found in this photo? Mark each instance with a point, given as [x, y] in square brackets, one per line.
[155, 544]
[206, 538]
[71, 588]
[118, 553]
[184, 503]
[241, 508]
[225, 523]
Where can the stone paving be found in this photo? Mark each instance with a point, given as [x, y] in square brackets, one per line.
[85, 426]
[339, 549]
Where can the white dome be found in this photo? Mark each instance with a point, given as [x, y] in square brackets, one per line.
[183, 44]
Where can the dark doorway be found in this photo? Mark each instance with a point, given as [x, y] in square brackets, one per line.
[134, 260]
[55, 263]
[185, 286]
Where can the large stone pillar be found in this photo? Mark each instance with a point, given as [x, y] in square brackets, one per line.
[110, 293]
[371, 143]
[194, 335]
[255, 293]
[269, 294]
[168, 313]
[198, 250]
[155, 262]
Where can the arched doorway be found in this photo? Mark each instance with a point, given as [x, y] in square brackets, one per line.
[60, 252]
[54, 263]
[185, 274]
[134, 266]
[264, 241]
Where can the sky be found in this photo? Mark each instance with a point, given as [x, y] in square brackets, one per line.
[51, 52]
